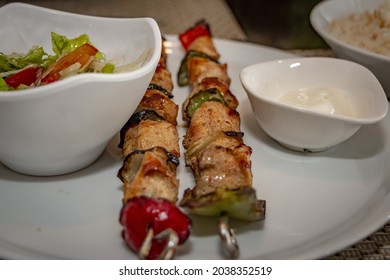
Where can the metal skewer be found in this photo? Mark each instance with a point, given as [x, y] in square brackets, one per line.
[228, 237]
[169, 251]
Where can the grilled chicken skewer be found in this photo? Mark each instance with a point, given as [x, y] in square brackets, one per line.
[215, 150]
[149, 143]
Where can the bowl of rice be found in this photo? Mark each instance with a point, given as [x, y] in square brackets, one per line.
[357, 30]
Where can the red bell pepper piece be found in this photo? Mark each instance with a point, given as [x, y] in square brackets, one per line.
[200, 29]
[142, 213]
[80, 55]
[25, 77]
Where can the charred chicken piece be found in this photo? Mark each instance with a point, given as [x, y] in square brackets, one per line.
[212, 82]
[215, 150]
[210, 118]
[148, 134]
[150, 173]
[149, 143]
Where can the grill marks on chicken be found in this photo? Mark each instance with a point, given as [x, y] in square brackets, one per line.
[204, 44]
[150, 173]
[201, 68]
[221, 86]
[215, 150]
[210, 118]
[152, 129]
[150, 147]
[223, 163]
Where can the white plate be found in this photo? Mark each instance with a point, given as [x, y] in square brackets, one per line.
[316, 203]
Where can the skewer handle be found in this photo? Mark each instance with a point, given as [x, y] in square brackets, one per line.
[228, 237]
[169, 251]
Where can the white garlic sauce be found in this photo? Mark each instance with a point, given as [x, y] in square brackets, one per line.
[320, 99]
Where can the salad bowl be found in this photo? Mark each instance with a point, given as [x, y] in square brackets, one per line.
[64, 126]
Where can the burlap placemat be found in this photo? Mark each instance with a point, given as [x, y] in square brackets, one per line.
[374, 247]
[172, 16]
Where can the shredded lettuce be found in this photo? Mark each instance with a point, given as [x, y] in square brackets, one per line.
[36, 55]
[108, 68]
[62, 45]
[3, 85]
[11, 64]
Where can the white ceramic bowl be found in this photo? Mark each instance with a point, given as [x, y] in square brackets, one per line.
[304, 129]
[65, 126]
[327, 11]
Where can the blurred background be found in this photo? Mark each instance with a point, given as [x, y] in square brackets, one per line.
[282, 24]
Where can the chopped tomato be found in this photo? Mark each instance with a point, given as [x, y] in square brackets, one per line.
[25, 77]
[81, 55]
[200, 29]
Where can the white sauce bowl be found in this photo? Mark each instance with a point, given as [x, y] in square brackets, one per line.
[304, 129]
